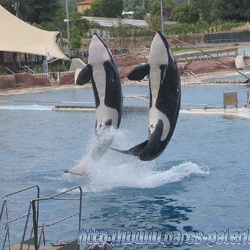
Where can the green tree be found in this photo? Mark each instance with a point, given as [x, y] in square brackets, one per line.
[23, 8]
[238, 10]
[111, 8]
[246, 13]
[204, 8]
[34, 11]
[184, 13]
[168, 9]
[75, 40]
[95, 9]
[131, 5]
[154, 7]
[43, 11]
[140, 12]
[78, 29]
[106, 8]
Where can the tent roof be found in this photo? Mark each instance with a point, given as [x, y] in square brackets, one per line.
[19, 36]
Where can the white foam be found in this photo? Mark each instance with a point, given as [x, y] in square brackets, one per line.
[106, 174]
[119, 170]
[245, 114]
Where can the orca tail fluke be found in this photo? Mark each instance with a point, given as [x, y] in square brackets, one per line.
[127, 152]
[134, 150]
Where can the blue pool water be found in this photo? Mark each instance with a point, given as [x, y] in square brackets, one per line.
[199, 185]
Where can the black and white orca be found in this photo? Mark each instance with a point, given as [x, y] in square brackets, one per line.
[102, 71]
[165, 97]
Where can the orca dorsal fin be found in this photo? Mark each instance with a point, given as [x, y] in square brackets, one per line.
[139, 72]
[85, 75]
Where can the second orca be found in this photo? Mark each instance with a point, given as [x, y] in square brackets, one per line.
[165, 97]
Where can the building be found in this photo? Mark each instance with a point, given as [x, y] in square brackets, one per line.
[82, 6]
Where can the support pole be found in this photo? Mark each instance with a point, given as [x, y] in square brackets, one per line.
[162, 19]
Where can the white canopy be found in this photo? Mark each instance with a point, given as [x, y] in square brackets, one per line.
[19, 36]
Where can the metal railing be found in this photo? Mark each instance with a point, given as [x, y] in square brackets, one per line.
[8, 222]
[34, 211]
[223, 40]
[54, 77]
[28, 68]
[35, 204]
[190, 77]
[6, 68]
[244, 71]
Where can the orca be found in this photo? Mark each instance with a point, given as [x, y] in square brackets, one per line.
[165, 97]
[104, 75]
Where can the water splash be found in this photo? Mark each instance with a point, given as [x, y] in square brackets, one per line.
[141, 175]
[115, 170]
[98, 146]
[107, 175]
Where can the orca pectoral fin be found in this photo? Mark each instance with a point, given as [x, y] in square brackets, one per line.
[134, 150]
[139, 72]
[85, 75]
[109, 67]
